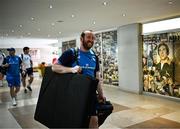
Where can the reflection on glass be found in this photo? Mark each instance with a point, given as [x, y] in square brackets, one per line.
[106, 48]
[161, 67]
[68, 44]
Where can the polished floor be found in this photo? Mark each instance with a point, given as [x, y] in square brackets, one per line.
[130, 110]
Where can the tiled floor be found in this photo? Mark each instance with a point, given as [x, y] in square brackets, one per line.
[25, 116]
[130, 110]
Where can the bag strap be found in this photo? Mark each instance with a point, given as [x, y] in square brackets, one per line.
[76, 53]
[21, 56]
[3, 55]
[4, 58]
[97, 59]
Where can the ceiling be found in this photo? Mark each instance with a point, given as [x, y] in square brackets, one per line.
[66, 18]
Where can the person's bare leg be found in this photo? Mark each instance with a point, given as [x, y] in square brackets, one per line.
[13, 95]
[31, 78]
[12, 92]
[17, 89]
[1, 79]
[24, 81]
[93, 122]
[24, 84]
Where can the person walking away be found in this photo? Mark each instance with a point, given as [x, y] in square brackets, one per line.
[27, 69]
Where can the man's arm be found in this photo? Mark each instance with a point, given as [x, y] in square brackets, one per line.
[58, 68]
[31, 63]
[99, 88]
[6, 62]
[5, 65]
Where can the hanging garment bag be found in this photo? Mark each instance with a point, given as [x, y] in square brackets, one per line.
[64, 100]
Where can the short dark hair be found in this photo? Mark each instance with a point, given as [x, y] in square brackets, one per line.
[25, 48]
[84, 32]
[166, 46]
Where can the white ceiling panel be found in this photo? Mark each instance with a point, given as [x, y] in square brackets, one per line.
[40, 21]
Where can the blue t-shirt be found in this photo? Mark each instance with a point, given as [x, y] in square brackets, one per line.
[86, 60]
[14, 65]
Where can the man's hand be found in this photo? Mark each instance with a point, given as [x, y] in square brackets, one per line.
[76, 69]
[23, 72]
[5, 65]
[101, 98]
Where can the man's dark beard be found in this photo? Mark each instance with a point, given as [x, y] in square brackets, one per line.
[85, 45]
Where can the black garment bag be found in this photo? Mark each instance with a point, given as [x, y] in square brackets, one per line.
[64, 100]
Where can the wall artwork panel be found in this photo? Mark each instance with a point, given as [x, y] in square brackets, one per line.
[161, 64]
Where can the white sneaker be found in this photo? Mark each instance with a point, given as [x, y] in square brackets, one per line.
[14, 101]
[15, 97]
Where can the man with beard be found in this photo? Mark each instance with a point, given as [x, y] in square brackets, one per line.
[87, 65]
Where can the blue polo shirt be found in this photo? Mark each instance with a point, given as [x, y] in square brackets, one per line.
[14, 65]
[86, 60]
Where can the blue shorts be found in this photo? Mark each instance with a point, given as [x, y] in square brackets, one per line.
[13, 81]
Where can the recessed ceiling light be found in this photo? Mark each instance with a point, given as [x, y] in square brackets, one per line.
[59, 32]
[50, 6]
[32, 18]
[72, 15]
[20, 25]
[170, 2]
[123, 14]
[12, 31]
[94, 22]
[52, 24]
[105, 3]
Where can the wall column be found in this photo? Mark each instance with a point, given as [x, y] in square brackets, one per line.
[130, 57]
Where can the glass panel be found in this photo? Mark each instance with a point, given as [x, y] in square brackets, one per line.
[161, 64]
[109, 52]
[68, 44]
[106, 48]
